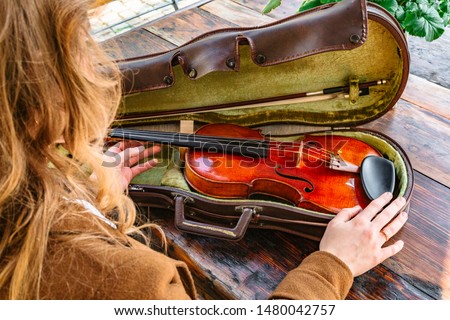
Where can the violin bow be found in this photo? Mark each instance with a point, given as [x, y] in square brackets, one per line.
[313, 96]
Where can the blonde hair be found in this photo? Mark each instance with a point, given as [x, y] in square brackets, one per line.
[54, 82]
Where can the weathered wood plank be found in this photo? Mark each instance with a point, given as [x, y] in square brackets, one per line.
[236, 13]
[425, 259]
[381, 283]
[134, 44]
[423, 135]
[430, 60]
[186, 25]
[428, 95]
[254, 266]
[248, 269]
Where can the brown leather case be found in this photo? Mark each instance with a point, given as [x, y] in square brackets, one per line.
[228, 75]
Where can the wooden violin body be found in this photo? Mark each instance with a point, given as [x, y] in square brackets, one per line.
[323, 173]
[319, 173]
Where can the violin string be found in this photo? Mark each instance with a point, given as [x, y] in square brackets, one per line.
[188, 137]
[312, 152]
[310, 156]
[223, 140]
[204, 138]
[256, 144]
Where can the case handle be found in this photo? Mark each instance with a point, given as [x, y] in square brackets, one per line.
[236, 233]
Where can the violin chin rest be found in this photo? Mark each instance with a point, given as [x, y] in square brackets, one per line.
[377, 176]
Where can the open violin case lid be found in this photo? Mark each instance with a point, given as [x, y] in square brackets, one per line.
[318, 73]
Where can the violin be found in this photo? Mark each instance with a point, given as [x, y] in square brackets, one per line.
[323, 173]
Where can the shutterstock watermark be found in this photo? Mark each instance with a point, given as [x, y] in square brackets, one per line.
[238, 153]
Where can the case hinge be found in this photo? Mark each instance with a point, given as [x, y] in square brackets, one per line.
[255, 209]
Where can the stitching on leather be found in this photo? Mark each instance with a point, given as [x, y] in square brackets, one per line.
[364, 28]
[306, 54]
[228, 30]
[253, 46]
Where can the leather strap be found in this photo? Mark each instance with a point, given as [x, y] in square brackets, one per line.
[335, 26]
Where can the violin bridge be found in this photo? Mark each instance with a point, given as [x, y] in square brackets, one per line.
[299, 155]
[338, 164]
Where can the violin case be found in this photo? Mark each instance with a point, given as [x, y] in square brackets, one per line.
[248, 76]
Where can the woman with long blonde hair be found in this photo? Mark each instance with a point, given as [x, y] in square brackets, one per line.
[64, 218]
[52, 91]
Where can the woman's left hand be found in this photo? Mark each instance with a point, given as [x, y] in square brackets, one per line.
[358, 237]
[126, 156]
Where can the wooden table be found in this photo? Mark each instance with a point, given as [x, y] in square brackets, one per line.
[253, 267]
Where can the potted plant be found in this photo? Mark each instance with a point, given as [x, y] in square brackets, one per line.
[421, 18]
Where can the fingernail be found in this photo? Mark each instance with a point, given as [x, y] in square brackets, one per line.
[404, 215]
[387, 195]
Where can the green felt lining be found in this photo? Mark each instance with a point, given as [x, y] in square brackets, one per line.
[388, 151]
[367, 63]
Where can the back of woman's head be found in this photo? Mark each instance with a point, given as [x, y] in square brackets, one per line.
[55, 83]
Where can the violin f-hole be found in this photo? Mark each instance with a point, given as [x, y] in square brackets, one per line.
[307, 189]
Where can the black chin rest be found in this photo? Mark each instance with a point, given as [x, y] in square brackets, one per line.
[377, 176]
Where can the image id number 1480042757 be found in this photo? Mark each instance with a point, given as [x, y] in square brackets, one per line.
[301, 310]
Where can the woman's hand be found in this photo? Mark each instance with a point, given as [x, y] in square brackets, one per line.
[357, 236]
[125, 156]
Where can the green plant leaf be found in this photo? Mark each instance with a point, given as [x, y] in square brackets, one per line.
[309, 4]
[425, 2]
[446, 18]
[424, 23]
[389, 5]
[423, 18]
[400, 14]
[328, 1]
[411, 6]
[444, 11]
[272, 4]
[444, 6]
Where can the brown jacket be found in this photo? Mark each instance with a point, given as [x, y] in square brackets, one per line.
[94, 268]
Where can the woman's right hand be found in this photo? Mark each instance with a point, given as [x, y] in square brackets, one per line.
[357, 236]
[125, 157]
